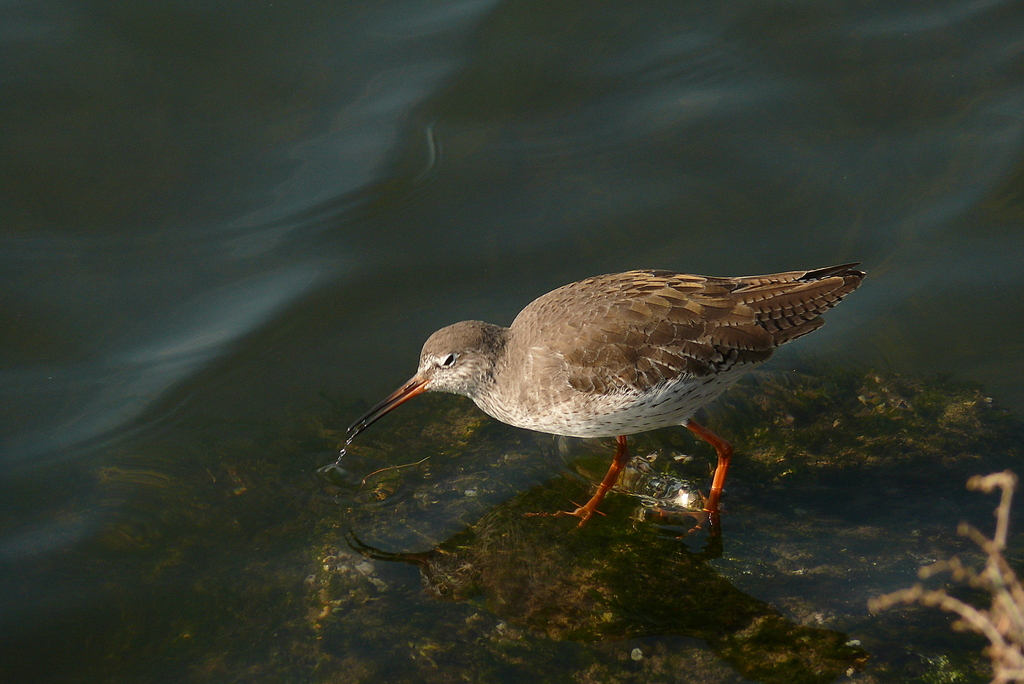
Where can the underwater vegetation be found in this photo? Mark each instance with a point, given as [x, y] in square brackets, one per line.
[223, 555]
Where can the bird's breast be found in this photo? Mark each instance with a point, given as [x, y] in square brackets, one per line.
[560, 410]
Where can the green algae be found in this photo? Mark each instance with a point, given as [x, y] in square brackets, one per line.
[600, 584]
[225, 557]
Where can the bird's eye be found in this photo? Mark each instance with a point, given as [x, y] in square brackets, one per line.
[448, 361]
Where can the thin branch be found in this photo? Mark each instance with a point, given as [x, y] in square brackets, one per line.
[1003, 623]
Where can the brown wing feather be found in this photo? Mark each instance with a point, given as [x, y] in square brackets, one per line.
[791, 308]
[639, 329]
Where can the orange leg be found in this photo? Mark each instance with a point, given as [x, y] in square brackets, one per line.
[585, 512]
[724, 450]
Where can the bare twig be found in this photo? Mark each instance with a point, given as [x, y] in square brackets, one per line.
[1003, 623]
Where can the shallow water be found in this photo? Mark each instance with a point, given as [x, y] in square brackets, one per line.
[223, 230]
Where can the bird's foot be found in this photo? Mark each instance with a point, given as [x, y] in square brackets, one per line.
[584, 513]
[696, 520]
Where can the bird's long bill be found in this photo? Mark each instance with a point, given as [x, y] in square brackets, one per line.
[416, 385]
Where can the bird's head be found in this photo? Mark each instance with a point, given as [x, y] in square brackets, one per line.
[458, 359]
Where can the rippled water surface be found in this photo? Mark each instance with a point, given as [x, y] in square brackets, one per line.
[225, 230]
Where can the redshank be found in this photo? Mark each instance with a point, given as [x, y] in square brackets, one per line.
[623, 353]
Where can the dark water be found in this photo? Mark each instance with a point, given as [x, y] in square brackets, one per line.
[222, 226]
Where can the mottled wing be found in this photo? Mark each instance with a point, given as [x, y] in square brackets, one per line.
[789, 305]
[636, 330]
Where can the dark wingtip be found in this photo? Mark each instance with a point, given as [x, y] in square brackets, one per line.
[831, 271]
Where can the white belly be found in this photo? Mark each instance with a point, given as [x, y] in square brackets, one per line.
[593, 415]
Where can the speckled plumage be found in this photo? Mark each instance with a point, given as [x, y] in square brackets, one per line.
[623, 353]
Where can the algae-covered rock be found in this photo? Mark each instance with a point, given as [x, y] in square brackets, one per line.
[226, 558]
[615, 582]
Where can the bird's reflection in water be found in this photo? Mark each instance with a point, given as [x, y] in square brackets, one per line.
[615, 580]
